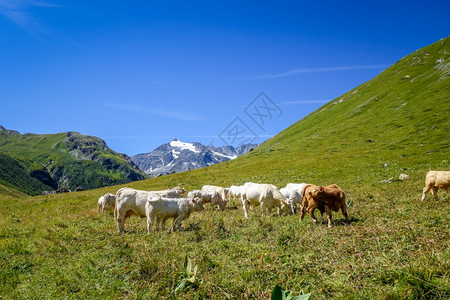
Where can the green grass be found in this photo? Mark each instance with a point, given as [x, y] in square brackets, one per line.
[395, 247]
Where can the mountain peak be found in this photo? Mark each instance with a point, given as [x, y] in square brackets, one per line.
[178, 156]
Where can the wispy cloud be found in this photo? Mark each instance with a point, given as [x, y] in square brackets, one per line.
[318, 70]
[169, 113]
[18, 12]
[300, 102]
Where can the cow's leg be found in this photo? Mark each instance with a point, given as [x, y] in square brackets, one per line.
[425, 190]
[329, 216]
[303, 212]
[344, 212]
[149, 223]
[120, 220]
[179, 223]
[311, 213]
[244, 206]
[434, 191]
[162, 223]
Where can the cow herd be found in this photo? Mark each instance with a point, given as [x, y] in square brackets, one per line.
[158, 206]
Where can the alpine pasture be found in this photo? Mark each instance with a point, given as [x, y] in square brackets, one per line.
[394, 247]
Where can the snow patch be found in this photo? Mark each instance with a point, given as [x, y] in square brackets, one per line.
[223, 155]
[183, 146]
[175, 154]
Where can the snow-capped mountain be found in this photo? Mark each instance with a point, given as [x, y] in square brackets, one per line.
[178, 156]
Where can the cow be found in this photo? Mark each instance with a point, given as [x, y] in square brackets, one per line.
[435, 180]
[234, 192]
[293, 198]
[266, 195]
[222, 191]
[208, 196]
[132, 202]
[106, 201]
[175, 192]
[158, 210]
[325, 199]
[100, 201]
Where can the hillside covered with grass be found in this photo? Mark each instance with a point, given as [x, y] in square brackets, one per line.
[395, 247]
[33, 163]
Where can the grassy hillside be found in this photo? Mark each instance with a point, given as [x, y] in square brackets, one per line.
[396, 246]
[65, 159]
[16, 174]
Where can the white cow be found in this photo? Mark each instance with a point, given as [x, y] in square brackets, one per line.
[295, 196]
[212, 197]
[234, 192]
[132, 202]
[266, 195]
[222, 191]
[159, 209]
[435, 180]
[175, 192]
[292, 197]
[106, 201]
[100, 203]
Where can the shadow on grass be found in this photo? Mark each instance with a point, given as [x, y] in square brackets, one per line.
[341, 221]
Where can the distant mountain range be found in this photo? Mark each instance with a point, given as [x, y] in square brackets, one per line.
[34, 163]
[178, 156]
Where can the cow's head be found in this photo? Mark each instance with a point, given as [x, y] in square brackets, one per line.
[198, 204]
[316, 191]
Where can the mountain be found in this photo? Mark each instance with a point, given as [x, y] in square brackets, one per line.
[33, 163]
[177, 156]
[398, 122]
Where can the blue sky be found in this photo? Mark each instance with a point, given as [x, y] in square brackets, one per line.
[141, 73]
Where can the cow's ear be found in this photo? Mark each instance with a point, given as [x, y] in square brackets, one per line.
[321, 188]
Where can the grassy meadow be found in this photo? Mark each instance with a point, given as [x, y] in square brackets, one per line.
[395, 247]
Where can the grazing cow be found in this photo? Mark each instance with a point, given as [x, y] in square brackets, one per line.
[208, 196]
[100, 203]
[132, 202]
[435, 180]
[159, 209]
[292, 197]
[266, 195]
[325, 199]
[234, 192]
[175, 192]
[222, 191]
[106, 201]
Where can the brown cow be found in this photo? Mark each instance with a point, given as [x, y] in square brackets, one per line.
[324, 199]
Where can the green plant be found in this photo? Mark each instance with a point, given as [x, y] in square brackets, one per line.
[279, 294]
[189, 278]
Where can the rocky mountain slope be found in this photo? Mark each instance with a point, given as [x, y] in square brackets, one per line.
[63, 161]
[177, 156]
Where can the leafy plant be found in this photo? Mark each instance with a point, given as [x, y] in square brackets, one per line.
[189, 278]
[279, 294]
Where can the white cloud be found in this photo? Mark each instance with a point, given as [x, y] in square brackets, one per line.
[185, 116]
[300, 102]
[317, 70]
[17, 11]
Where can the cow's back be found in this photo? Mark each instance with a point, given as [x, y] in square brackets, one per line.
[438, 178]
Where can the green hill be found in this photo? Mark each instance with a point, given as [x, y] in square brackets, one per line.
[395, 247]
[65, 160]
[396, 123]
